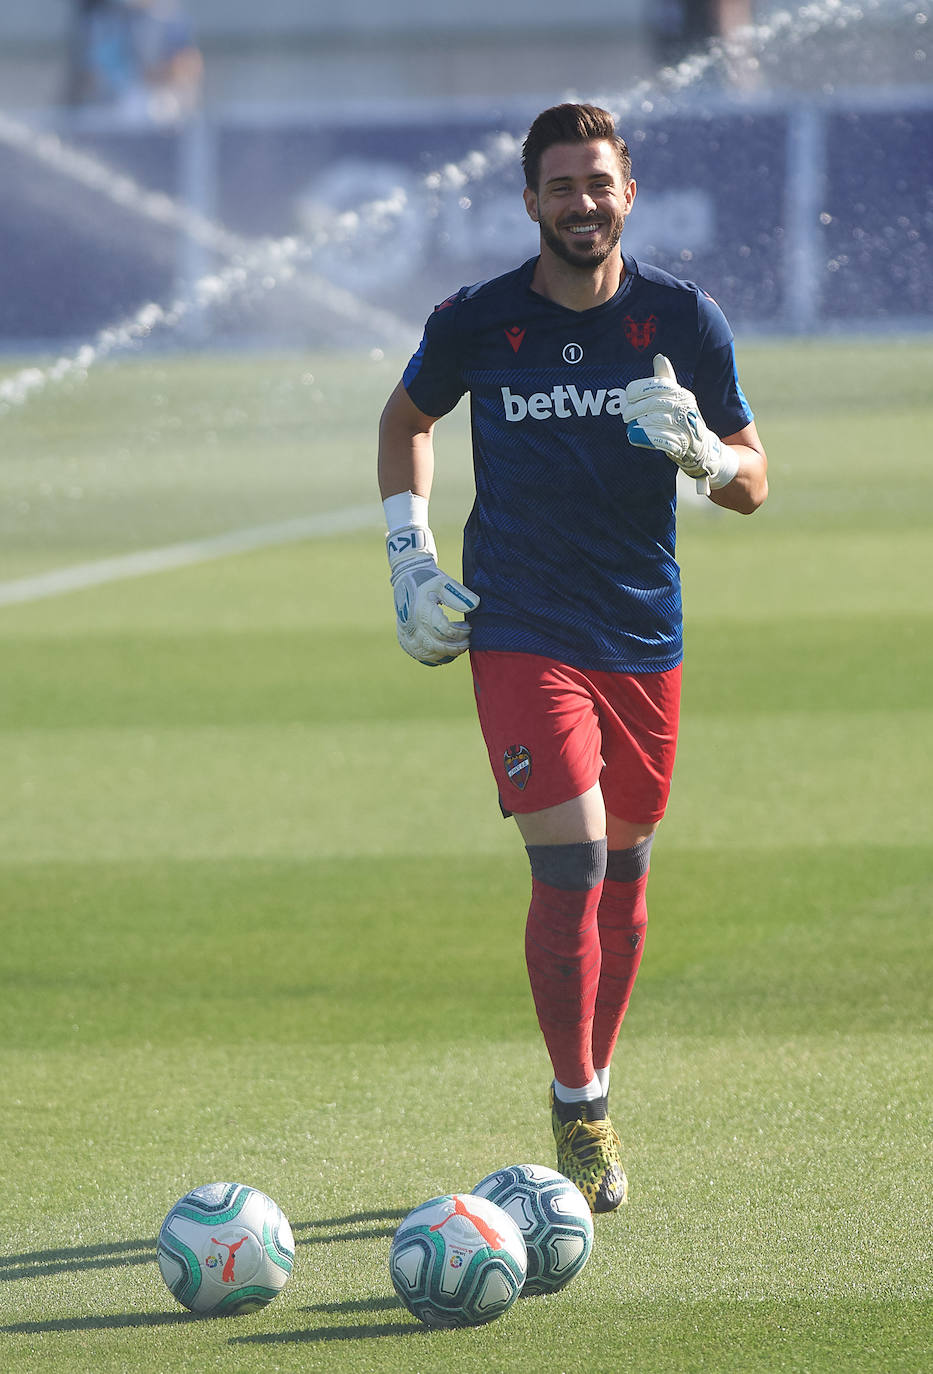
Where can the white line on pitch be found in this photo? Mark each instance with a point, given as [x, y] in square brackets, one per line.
[60, 581]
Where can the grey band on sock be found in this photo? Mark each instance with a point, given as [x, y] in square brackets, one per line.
[628, 865]
[569, 867]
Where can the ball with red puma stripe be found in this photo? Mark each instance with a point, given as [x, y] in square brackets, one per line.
[458, 1260]
[225, 1248]
[553, 1217]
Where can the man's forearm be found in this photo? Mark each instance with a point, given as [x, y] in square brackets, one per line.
[406, 449]
[749, 487]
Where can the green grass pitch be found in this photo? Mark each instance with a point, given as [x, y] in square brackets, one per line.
[262, 922]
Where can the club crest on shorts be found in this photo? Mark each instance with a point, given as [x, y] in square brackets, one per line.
[517, 763]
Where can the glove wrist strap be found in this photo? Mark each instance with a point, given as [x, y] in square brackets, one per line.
[409, 534]
[408, 545]
[728, 467]
[405, 508]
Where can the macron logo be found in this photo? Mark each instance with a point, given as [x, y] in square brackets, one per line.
[562, 403]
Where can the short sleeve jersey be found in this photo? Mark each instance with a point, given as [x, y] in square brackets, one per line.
[570, 544]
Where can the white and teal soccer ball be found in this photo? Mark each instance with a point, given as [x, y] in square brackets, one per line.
[553, 1217]
[224, 1249]
[457, 1260]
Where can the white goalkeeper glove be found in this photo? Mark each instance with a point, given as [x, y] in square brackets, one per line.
[661, 414]
[422, 590]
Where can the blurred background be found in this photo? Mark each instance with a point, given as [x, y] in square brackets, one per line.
[300, 175]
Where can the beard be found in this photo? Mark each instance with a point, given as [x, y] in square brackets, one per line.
[588, 254]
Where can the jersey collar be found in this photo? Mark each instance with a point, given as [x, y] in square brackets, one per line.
[526, 272]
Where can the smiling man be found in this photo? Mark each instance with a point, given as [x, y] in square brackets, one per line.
[592, 379]
[579, 195]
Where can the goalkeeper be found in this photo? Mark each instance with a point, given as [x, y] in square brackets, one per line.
[593, 379]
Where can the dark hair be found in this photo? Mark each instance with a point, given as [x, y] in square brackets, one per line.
[570, 124]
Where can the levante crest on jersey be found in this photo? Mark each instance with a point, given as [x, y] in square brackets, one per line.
[640, 333]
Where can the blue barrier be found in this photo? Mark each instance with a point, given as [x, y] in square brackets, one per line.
[797, 217]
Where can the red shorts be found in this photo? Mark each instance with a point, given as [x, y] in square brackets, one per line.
[553, 731]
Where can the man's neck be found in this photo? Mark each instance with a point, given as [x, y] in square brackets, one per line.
[576, 288]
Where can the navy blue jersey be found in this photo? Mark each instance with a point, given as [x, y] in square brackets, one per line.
[570, 543]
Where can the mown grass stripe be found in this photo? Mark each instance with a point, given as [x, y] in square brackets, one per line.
[146, 562]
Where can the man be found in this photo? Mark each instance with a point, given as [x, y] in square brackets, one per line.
[572, 593]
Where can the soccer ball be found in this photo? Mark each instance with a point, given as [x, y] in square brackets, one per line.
[552, 1215]
[225, 1249]
[457, 1260]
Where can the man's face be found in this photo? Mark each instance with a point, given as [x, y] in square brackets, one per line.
[581, 201]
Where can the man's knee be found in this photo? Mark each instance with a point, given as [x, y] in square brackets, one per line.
[576, 821]
[569, 867]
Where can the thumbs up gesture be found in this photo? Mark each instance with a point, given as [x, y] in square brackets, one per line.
[661, 414]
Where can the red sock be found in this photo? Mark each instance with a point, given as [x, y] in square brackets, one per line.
[623, 915]
[563, 958]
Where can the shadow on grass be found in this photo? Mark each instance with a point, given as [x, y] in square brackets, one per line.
[355, 1305]
[355, 1226]
[332, 1333]
[36, 1263]
[39, 1263]
[111, 1322]
[321, 1232]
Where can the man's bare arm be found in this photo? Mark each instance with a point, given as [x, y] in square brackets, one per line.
[749, 487]
[406, 447]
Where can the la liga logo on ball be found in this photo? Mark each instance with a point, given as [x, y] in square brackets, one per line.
[553, 1217]
[232, 1248]
[457, 1260]
[463, 1259]
[224, 1249]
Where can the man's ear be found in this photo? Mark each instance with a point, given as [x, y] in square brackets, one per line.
[531, 203]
